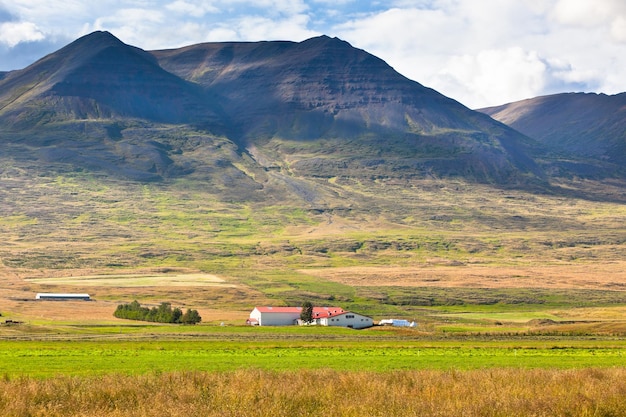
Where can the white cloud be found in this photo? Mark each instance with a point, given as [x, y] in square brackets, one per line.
[136, 26]
[480, 52]
[606, 15]
[14, 33]
[618, 29]
[588, 13]
[489, 52]
[222, 34]
[492, 74]
[195, 9]
[255, 28]
[333, 2]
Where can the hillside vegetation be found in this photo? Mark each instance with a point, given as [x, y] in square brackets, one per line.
[378, 247]
[153, 176]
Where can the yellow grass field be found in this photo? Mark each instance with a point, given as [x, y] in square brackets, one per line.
[133, 280]
[253, 393]
[181, 287]
[597, 276]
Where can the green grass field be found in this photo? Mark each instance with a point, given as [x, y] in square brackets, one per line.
[296, 350]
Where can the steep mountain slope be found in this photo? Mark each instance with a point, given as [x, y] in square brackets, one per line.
[579, 125]
[285, 96]
[248, 116]
[343, 90]
[71, 107]
[98, 76]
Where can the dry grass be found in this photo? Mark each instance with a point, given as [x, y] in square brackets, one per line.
[58, 229]
[134, 280]
[590, 276]
[491, 392]
[182, 287]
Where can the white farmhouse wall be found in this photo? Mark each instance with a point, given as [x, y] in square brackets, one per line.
[256, 314]
[353, 320]
[278, 319]
[275, 318]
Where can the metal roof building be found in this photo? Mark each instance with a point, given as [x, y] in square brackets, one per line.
[62, 296]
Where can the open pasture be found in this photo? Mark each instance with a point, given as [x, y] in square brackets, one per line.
[296, 351]
[457, 258]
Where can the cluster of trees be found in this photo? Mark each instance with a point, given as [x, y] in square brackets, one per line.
[162, 314]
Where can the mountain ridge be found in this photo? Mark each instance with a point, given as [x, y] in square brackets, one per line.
[325, 88]
[586, 126]
[98, 76]
[233, 111]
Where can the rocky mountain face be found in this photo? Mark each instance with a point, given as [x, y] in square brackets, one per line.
[585, 133]
[321, 87]
[98, 77]
[247, 116]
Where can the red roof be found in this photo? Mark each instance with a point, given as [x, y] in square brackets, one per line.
[318, 312]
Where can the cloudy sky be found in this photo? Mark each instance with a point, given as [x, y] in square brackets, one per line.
[479, 52]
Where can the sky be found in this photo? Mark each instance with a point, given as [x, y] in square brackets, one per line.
[479, 52]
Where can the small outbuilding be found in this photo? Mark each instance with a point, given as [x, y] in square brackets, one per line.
[62, 297]
[396, 323]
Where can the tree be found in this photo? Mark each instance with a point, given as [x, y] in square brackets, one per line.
[177, 315]
[191, 317]
[306, 315]
[164, 313]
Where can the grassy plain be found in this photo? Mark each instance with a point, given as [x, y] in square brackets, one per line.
[291, 352]
[519, 296]
[443, 252]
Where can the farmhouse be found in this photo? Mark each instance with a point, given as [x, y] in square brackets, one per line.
[62, 297]
[285, 316]
[346, 319]
[323, 316]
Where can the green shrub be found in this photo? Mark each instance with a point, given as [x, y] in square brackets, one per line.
[163, 314]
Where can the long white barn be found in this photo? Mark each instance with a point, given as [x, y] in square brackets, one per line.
[62, 296]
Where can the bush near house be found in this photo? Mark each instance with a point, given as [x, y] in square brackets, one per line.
[162, 314]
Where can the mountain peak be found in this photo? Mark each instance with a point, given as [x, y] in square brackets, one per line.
[99, 76]
[90, 44]
[325, 40]
[98, 35]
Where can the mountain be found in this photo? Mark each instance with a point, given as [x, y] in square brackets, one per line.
[248, 116]
[71, 106]
[591, 128]
[287, 95]
[98, 76]
[324, 85]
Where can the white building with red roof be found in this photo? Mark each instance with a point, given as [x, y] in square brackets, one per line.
[324, 316]
[346, 319]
